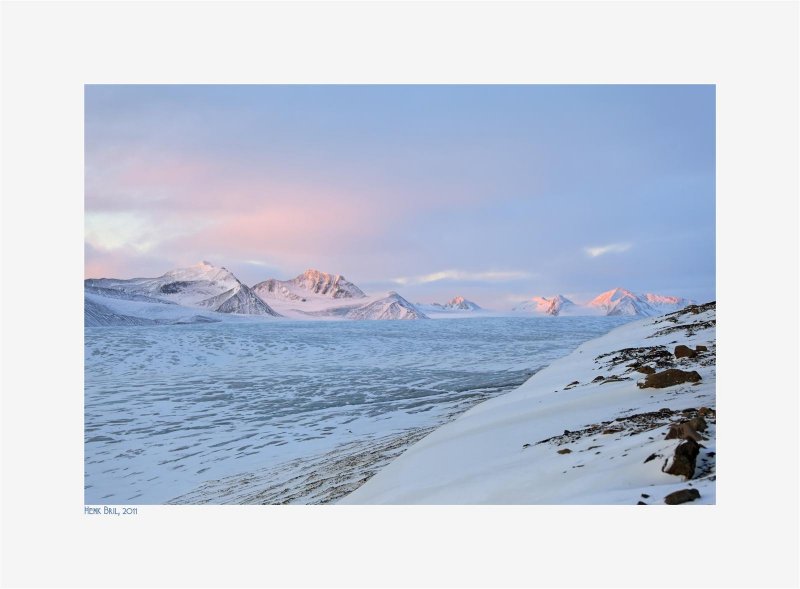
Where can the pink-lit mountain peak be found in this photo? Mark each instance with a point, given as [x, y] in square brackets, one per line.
[323, 283]
[612, 296]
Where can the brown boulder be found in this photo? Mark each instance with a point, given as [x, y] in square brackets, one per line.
[684, 352]
[684, 460]
[682, 496]
[598, 378]
[668, 378]
[683, 431]
[700, 348]
[698, 423]
[703, 411]
[645, 369]
[564, 451]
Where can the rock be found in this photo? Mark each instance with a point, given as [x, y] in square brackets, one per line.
[683, 431]
[612, 430]
[685, 459]
[703, 411]
[564, 451]
[682, 496]
[668, 378]
[641, 503]
[572, 384]
[645, 495]
[700, 349]
[644, 369]
[698, 423]
[598, 378]
[684, 352]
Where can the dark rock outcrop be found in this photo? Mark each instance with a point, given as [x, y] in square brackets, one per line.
[682, 496]
[684, 352]
[698, 423]
[683, 431]
[669, 378]
[685, 459]
[699, 348]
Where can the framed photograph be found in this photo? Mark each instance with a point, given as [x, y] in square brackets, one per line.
[400, 294]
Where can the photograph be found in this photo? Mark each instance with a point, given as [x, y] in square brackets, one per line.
[399, 294]
[497, 294]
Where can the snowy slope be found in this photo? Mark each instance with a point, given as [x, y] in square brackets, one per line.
[100, 311]
[580, 431]
[96, 314]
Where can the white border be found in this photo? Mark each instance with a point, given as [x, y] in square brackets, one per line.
[750, 50]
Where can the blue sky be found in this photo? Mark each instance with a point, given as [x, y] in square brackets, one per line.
[496, 193]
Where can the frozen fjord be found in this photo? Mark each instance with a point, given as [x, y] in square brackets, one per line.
[170, 408]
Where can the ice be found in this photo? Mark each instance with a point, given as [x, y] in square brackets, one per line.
[170, 408]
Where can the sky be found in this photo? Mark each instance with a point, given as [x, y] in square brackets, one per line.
[494, 193]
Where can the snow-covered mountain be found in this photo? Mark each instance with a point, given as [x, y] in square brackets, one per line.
[459, 303]
[310, 284]
[617, 301]
[331, 296]
[455, 307]
[666, 304]
[202, 285]
[392, 306]
[240, 299]
[554, 305]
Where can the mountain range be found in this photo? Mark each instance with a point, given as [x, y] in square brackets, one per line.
[206, 293]
[614, 302]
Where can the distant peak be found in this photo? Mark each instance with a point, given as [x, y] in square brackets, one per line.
[314, 273]
[333, 285]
